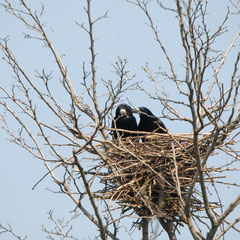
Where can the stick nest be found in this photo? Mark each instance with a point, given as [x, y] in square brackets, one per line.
[153, 177]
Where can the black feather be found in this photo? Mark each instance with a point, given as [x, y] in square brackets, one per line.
[149, 122]
[124, 119]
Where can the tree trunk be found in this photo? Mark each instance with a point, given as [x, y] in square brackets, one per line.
[168, 227]
[144, 229]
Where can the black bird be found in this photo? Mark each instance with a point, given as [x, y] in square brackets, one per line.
[149, 122]
[124, 119]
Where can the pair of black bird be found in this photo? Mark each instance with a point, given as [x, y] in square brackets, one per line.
[125, 120]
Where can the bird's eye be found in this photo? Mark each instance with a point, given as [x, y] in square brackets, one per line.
[123, 112]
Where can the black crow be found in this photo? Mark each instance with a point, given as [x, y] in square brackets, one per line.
[149, 122]
[124, 119]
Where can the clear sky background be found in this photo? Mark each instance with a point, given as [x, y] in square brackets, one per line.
[123, 34]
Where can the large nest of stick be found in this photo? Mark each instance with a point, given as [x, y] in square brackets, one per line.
[153, 177]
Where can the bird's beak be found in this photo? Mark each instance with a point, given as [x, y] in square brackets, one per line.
[135, 110]
[123, 112]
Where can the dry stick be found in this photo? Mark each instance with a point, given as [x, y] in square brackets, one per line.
[49, 172]
[220, 219]
[85, 212]
[144, 163]
[230, 225]
[143, 6]
[220, 65]
[178, 187]
[10, 231]
[100, 223]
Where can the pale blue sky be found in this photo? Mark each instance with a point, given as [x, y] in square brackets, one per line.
[125, 34]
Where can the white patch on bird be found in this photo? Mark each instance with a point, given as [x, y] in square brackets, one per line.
[123, 112]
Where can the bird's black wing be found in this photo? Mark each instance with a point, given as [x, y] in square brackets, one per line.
[125, 123]
[161, 127]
